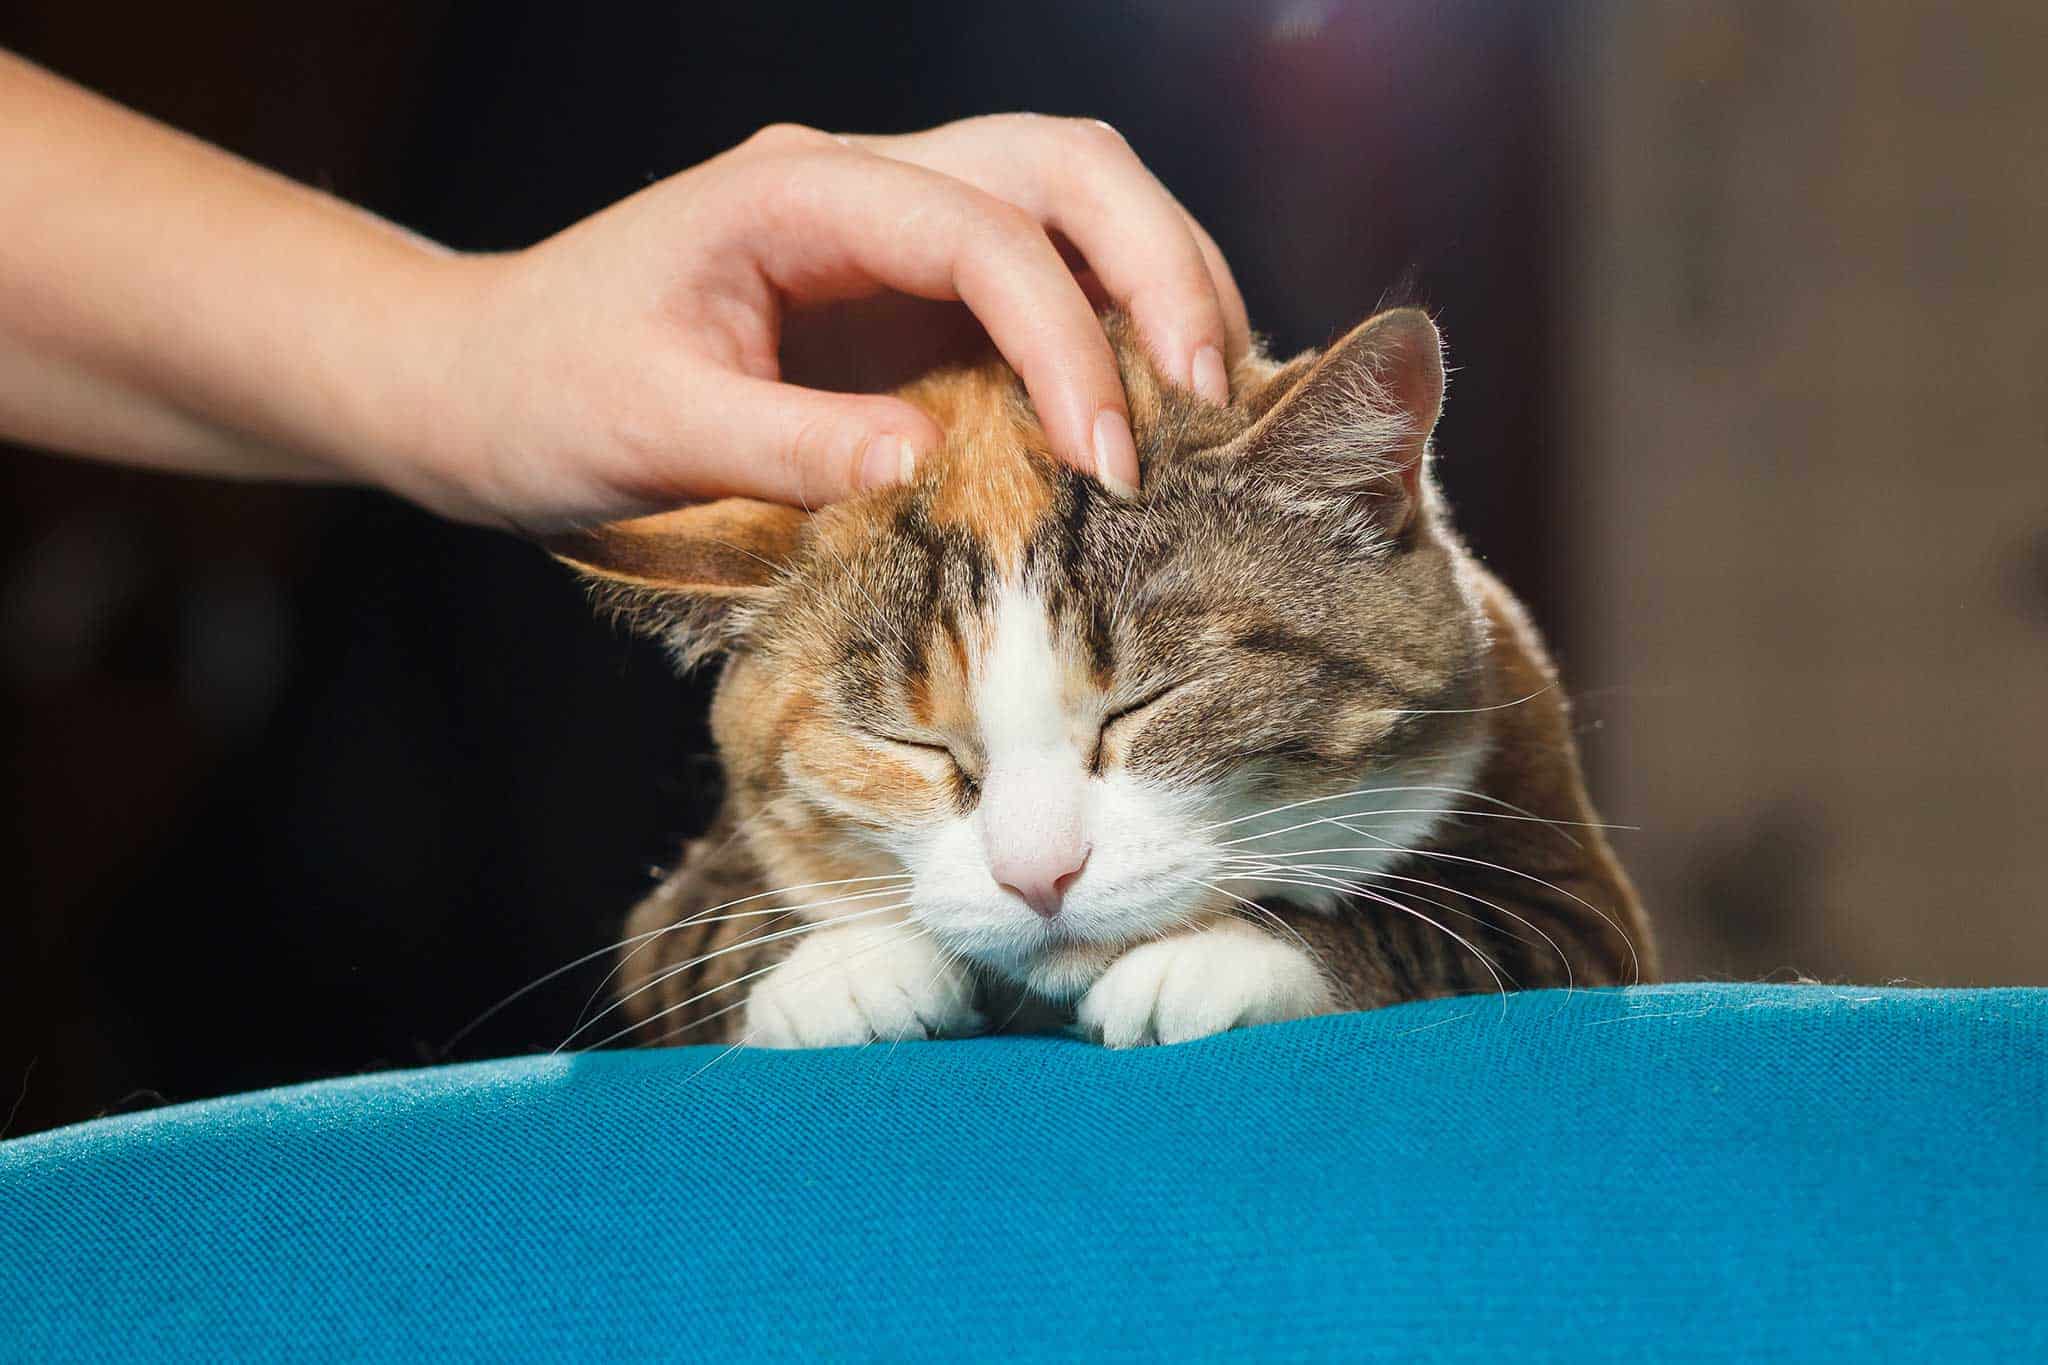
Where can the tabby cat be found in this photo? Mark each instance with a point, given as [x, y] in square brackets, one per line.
[1005, 751]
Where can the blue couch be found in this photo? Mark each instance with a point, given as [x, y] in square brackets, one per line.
[1670, 1173]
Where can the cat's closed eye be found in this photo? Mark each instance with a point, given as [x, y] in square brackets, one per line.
[924, 751]
[1125, 718]
[1138, 708]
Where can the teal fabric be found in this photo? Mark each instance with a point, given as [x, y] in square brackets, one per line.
[1676, 1173]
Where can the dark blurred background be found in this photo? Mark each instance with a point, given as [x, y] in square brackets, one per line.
[1747, 303]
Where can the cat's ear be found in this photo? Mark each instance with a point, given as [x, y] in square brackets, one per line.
[690, 578]
[1358, 422]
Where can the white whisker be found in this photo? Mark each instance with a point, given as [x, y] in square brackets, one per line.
[1254, 905]
[1531, 925]
[741, 980]
[895, 887]
[1414, 810]
[1366, 834]
[1394, 790]
[1471, 710]
[636, 939]
[698, 1022]
[1500, 982]
[756, 941]
[946, 958]
[1635, 962]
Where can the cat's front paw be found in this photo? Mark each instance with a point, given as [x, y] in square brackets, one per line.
[856, 984]
[1191, 985]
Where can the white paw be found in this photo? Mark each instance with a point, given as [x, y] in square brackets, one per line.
[1199, 983]
[859, 983]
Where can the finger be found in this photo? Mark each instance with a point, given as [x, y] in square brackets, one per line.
[759, 439]
[1081, 178]
[1137, 240]
[1237, 323]
[840, 222]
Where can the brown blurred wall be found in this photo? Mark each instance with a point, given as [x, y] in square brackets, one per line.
[1811, 582]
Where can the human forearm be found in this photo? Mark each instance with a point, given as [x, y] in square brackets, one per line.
[165, 303]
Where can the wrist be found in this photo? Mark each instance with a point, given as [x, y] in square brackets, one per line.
[408, 417]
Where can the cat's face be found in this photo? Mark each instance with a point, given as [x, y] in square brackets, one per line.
[1077, 722]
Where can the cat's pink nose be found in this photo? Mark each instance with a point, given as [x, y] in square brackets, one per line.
[1040, 877]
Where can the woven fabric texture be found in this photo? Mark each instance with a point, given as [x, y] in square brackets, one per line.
[1674, 1173]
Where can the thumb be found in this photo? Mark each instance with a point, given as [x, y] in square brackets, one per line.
[804, 446]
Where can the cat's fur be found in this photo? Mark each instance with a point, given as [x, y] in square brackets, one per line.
[1290, 614]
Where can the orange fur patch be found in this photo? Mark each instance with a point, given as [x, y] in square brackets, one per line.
[983, 479]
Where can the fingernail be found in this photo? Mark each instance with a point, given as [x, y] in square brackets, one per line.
[1212, 381]
[887, 460]
[1114, 450]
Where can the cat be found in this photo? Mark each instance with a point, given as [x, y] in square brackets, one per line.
[1004, 750]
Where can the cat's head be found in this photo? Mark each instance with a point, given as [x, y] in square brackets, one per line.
[1076, 721]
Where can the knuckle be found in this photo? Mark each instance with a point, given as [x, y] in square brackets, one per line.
[1093, 135]
[822, 459]
[1008, 231]
[1089, 158]
[1019, 231]
[1093, 166]
[789, 137]
[1181, 300]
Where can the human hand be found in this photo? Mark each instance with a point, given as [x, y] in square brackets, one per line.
[635, 360]
[216, 318]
